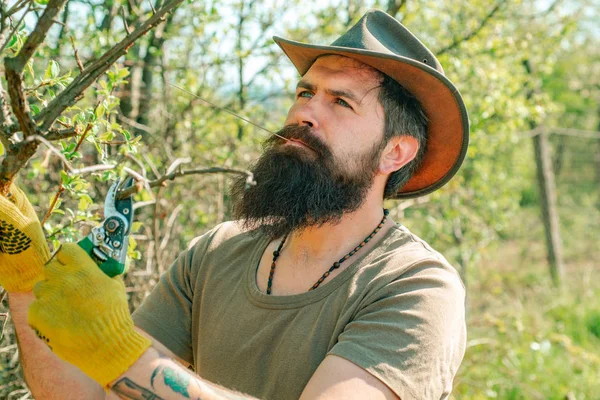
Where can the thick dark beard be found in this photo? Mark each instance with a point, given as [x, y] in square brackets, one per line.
[297, 188]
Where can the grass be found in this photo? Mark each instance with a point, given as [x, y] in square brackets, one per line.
[528, 339]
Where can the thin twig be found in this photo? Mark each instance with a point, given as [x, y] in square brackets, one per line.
[125, 24]
[169, 227]
[473, 33]
[200, 171]
[177, 163]
[134, 123]
[137, 176]
[39, 33]
[155, 230]
[152, 7]
[10, 346]
[18, 6]
[59, 134]
[92, 168]
[88, 127]
[60, 190]
[76, 52]
[53, 149]
[224, 109]
[75, 90]
[14, 29]
[40, 85]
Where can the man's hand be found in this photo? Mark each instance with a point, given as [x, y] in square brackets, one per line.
[23, 247]
[83, 316]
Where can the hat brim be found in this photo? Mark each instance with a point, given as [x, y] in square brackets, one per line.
[448, 126]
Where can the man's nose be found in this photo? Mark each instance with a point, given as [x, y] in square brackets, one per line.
[306, 115]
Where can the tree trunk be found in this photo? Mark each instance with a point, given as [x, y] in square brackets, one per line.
[153, 52]
[545, 178]
[547, 189]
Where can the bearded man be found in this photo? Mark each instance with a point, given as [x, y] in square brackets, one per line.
[313, 292]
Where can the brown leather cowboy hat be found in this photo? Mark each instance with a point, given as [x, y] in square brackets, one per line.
[385, 44]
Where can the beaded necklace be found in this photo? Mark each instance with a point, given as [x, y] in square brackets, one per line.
[335, 265]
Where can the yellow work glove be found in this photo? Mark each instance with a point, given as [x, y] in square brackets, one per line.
[23, 247]
[83, 316]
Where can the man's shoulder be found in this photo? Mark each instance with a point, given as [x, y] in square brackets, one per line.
[407, 251]
[406, 244]
[225, 232]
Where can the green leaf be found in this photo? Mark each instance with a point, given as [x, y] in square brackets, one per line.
[30, 68]
[123, 73]
[12, 42]
[57, 204]
[52, 71]
[84, 202]
[100, 111]
[107, 136]
[65, 178]
[136, 226]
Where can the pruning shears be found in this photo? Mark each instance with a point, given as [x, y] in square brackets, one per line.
[107, 243]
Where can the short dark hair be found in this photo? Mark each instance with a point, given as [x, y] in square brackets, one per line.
[403, 116]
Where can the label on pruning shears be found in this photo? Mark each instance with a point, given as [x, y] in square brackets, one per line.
[107, 243]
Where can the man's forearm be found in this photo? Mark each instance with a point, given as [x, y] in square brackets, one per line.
[156, 377]
[47, 376]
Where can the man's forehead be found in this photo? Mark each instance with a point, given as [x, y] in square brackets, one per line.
[343, 63]
[361, 77]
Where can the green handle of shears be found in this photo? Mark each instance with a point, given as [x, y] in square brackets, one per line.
[110, 267]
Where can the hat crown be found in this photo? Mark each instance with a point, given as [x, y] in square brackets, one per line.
[378, 31]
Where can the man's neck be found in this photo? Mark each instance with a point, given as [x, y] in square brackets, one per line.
[320, 242]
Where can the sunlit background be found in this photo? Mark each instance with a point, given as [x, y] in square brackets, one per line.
[520, 222]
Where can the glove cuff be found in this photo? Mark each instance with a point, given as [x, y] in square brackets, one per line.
[116, 355]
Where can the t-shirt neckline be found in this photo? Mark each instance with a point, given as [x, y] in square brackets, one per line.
[263, 300]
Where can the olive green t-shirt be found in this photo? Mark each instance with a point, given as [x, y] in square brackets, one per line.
[398, 312]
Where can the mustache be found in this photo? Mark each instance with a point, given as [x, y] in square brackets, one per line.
[302, 133]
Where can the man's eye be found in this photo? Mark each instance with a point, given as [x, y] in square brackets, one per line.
[343, 103]
[305, 93]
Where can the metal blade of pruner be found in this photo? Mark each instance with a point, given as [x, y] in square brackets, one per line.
[107, 243]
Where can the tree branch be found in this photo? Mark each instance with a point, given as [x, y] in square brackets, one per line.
[470, 35]
[18, 102]
[58, 134]
[5, 119]
[199, 171]
[394, 6]
[18, 6]
[75, 90]
[39, 33]
[14, 29]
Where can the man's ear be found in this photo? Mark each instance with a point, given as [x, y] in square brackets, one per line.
[399, 151]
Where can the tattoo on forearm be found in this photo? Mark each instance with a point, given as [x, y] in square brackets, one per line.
[127, 389]
[178, 381]
[177, 378]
